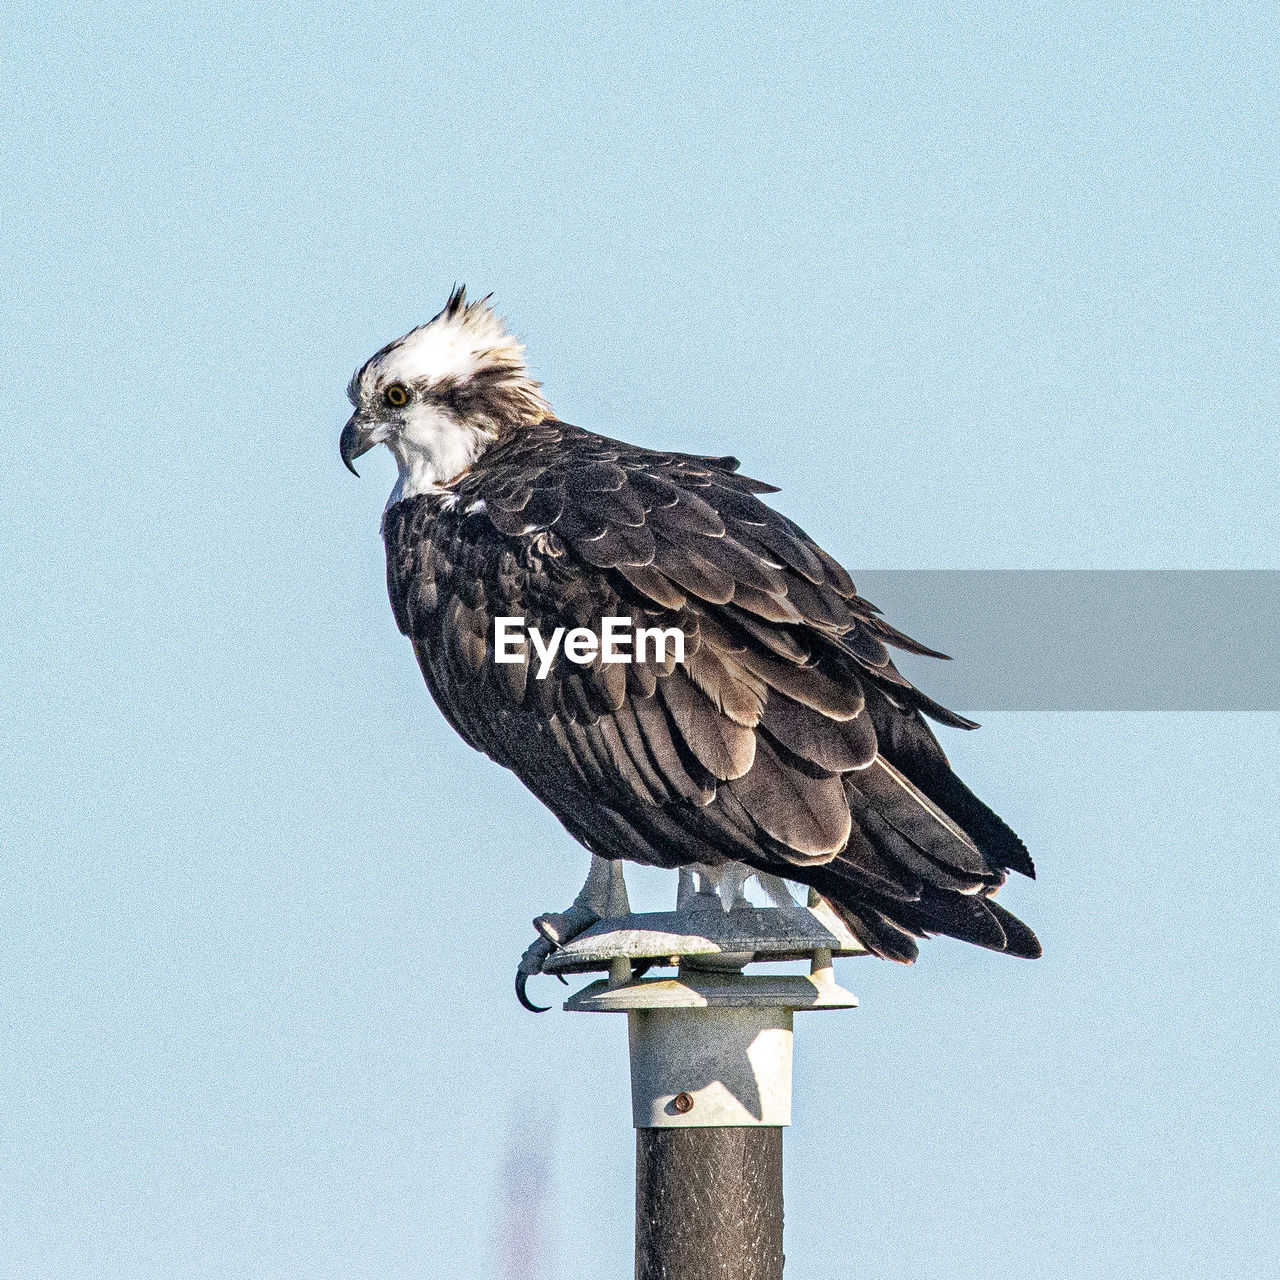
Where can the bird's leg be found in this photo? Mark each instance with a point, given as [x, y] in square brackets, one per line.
[604, 894]
[697, 888]
[686, 890]
[730, 884]
[776, 889]
[719, 887]
[723, 887]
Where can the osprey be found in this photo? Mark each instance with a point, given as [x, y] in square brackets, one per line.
[783, 743]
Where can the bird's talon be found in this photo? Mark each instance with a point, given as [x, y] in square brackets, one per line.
[531, 964]
[603, 894]
[522, 995]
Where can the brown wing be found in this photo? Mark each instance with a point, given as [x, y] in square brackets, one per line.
[785, 739]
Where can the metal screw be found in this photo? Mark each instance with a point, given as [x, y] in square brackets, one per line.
[682, 1104]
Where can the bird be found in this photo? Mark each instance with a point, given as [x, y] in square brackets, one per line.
[782, 742]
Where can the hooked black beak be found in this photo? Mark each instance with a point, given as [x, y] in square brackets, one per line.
[357, 438]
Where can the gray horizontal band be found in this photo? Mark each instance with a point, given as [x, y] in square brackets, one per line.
[1088, 639]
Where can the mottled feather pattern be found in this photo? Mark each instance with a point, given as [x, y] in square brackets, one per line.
[786, 739]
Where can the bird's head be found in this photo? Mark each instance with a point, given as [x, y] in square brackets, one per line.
[439, 396]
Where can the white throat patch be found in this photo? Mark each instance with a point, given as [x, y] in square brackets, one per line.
[434, 449]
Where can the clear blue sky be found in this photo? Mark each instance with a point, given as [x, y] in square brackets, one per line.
[977, 285]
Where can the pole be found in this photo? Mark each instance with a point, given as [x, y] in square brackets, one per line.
[710, 1054]
[709, 1203]
[710, 1092]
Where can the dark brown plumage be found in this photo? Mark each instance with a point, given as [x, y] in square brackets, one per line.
[786, 739]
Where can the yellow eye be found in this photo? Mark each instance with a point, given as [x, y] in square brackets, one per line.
[397, 395]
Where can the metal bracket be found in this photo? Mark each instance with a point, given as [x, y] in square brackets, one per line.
[713, 1045]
